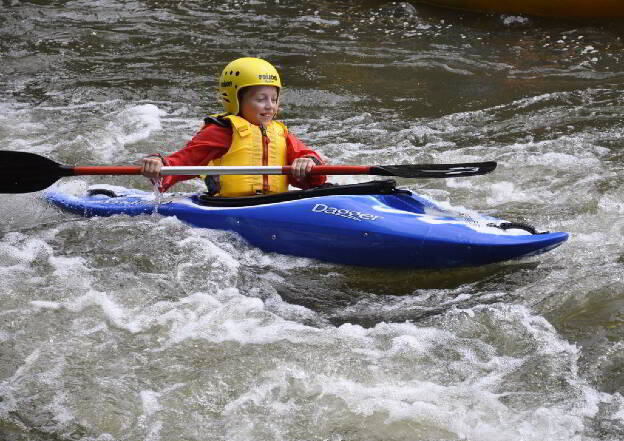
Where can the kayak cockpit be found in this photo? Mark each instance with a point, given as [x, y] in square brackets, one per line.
[383, 187]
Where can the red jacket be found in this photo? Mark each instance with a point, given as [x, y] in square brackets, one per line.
[212, 141]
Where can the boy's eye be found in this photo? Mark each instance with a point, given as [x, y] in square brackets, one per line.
[264, 98]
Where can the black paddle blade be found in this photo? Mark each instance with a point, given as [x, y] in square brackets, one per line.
[435, 170]
[23, 172]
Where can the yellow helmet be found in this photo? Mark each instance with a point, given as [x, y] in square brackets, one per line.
[245, 72]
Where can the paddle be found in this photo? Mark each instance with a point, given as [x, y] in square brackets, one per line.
[23, 172]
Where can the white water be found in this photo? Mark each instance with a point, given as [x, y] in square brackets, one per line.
[146, 329]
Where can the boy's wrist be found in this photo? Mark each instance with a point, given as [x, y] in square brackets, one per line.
[159, 156]
[314, 159]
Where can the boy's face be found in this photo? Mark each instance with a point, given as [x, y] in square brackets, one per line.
[259, 104]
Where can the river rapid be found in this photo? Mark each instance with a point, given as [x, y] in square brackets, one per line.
[147, 329]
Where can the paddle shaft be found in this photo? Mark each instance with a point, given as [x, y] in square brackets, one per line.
[222, 170]
[408, 171]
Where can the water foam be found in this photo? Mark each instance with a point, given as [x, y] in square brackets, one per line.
[370, 385]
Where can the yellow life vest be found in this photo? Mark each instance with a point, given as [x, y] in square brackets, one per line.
[251, 147]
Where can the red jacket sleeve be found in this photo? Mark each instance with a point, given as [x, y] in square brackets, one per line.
[211, 142]
[297, 149]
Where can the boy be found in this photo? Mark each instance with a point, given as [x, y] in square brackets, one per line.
[246, 134]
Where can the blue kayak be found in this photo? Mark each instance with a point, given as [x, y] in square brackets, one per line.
[371, 224]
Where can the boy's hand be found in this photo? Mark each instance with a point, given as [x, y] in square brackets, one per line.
[150, 167]
[301, 167]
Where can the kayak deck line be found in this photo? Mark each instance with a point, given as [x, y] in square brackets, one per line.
[371, 224]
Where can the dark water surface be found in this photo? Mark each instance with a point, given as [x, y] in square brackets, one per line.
[147, 329]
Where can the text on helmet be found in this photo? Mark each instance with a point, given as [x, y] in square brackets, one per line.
[267, 77]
